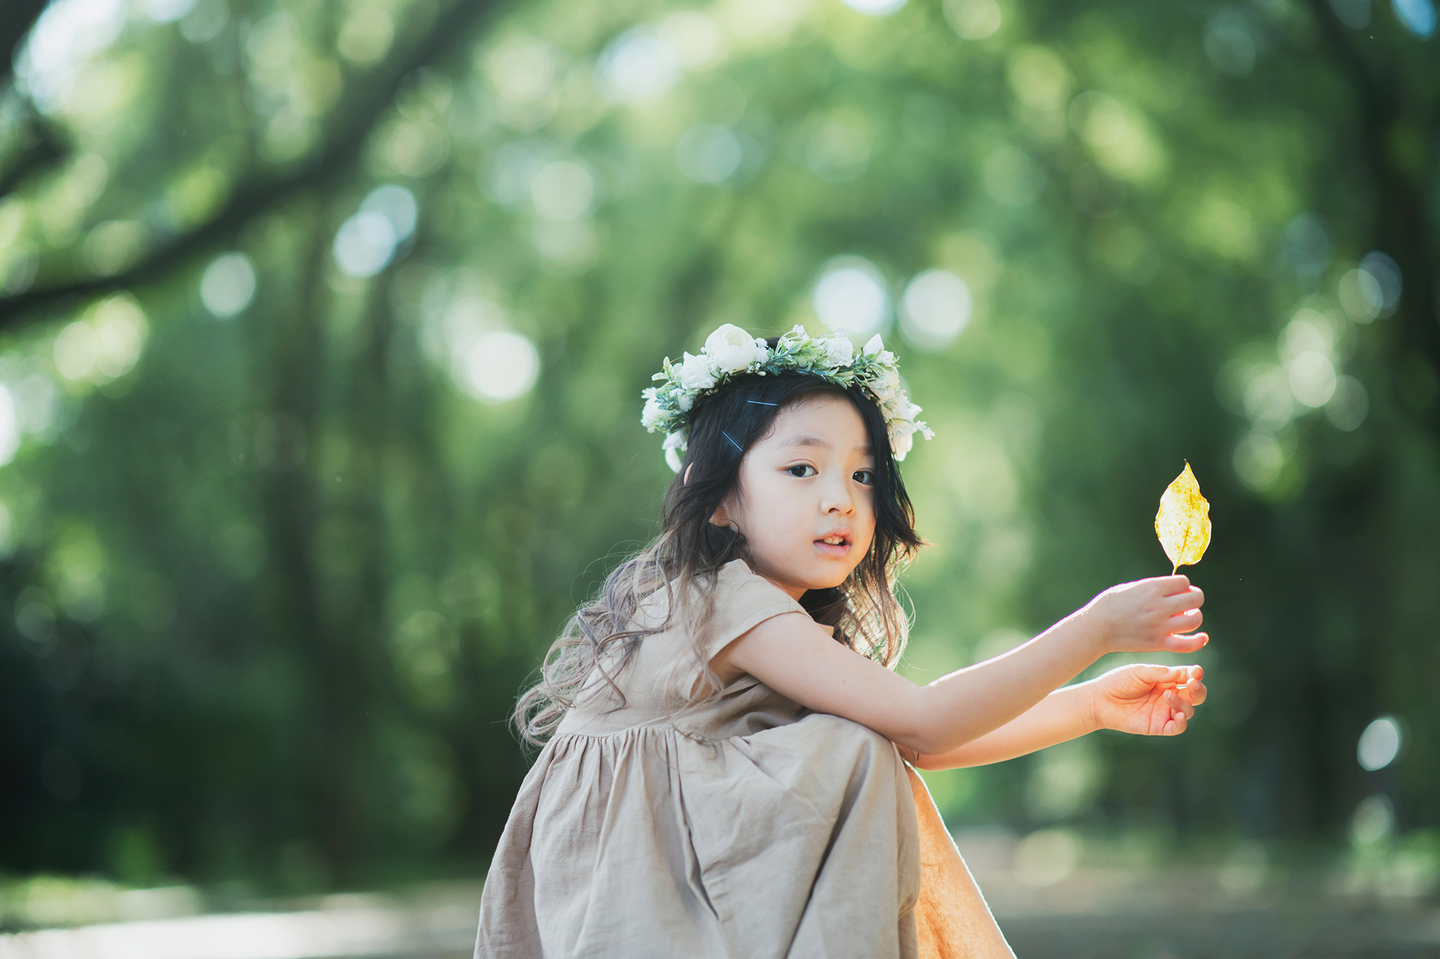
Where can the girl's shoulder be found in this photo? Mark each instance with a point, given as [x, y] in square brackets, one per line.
[743, 599]
[736, 600]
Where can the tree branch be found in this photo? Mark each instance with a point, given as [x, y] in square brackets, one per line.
[41, 148]
[342, 147]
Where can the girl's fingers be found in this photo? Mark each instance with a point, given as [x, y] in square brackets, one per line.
[1178, 705]
[1185, 643]
[1192, 597]
[1172, 585]
[1187, 620]
[1193, 692]
[1153, 673]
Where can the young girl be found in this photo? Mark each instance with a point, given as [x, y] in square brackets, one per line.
[727, 759]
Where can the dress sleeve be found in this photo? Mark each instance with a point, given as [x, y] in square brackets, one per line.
[743, 600]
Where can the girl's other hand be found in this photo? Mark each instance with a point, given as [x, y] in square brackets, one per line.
[1147, 700]
[1150, 615]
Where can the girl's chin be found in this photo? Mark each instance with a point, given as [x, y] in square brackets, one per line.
[817, 571]
[829, 576]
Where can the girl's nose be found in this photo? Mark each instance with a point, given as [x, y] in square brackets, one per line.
[837, 499]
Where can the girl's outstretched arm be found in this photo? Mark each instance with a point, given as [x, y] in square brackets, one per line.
[1144, 699]
[794, 656]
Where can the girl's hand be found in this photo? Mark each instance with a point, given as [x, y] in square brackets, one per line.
[1147, 700]
[1149, 615]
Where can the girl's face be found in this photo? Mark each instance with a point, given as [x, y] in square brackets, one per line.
[805, 497]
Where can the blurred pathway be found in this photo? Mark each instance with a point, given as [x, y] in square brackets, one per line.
[1090, 913]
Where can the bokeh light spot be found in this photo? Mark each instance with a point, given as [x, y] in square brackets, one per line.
[973, 19]
[166, 11]
[1374, 820]
[935, 308]
[397, 205]
[1307, 330]
[105, 346]
[693, 38]
[1417, 16]
[120, 330]
[1349, 405]
[875, 8]
[1307, 244]
[562, 190]
[1259, 459]
[1267, 399]
[1379, 744]
[1387, 274]
[498, 367]
[1039, 78]
[228, 284]
[708, 153]
[365, 36]
[1355, 14]
[74, 351]
[839, 149]
[205, 21]
[67, 35]
[850, 296]
[1046, 857]
[512, 172]
[1228, 43]
[113, 245]
[9, 425]
[1361, 295]
[1312, 378]
[636, 66]
[365, 243]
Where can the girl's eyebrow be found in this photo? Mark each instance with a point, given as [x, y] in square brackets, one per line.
[806, 439]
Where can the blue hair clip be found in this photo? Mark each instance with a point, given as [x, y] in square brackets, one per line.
[728, 437]
[762, 403]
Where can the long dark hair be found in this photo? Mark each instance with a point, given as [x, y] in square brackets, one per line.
[599, 639]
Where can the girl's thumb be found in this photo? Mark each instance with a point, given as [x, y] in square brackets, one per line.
[1157, 673]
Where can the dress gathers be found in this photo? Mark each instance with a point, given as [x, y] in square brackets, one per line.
[752, 828]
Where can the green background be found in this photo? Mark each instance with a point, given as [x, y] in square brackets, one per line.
[287, 522]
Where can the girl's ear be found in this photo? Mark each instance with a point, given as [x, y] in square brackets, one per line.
[719, 517]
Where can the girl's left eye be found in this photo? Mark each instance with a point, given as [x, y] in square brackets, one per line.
[865, 477]
[800, 466]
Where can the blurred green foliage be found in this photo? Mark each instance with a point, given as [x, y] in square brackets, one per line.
[323, 326]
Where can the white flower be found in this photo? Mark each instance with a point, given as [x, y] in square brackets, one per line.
[885, 385]
[899, 407]
[697, 372]
[651, 414]
[900, 438]
[796, 335]
[733, 349]
[876, 348]
[674, 446]
[837, 351]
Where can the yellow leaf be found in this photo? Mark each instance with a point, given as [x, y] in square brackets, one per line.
[1183, 522]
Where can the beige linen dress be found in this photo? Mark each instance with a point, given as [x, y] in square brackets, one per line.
[754, 828]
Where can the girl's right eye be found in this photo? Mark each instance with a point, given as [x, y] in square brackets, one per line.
[800, 466]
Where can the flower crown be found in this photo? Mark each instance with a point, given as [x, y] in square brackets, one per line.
[730, 352]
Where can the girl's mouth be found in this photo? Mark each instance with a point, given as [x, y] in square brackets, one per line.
[833, 545]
